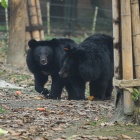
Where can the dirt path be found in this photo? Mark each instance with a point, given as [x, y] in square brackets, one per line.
[22, 117]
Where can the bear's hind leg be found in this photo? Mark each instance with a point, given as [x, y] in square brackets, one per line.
[76, 89]
[109, 90]
[98, 90]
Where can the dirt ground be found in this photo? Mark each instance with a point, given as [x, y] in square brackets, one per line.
[28, 116]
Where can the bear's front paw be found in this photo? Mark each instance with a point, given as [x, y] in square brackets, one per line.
[45, 92]
[49, 96]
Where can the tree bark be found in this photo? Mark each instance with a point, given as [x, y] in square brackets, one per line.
[15, 54]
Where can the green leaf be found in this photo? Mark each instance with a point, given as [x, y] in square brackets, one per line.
[4, 3]
[2, 131]
[136, 90]
[135, 94]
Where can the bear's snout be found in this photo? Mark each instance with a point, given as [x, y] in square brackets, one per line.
[63, 73]
[43, 60]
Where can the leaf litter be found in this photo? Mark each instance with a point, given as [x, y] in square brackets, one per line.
[26, 115]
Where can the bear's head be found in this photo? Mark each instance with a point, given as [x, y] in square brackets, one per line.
[43, 50]
[71, 60]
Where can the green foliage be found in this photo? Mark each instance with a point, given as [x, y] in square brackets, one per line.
[4, 3]
[17, 78]
[135, 94]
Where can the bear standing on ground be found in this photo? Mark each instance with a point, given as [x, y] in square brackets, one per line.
[43, 59]
[92, 61]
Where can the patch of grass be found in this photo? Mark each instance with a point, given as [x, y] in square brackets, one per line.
[18, 78]
[2, 110]
[98, 122]
[94, 123]
[131, 131]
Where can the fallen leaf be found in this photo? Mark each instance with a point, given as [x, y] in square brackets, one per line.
[91, 98]
[39, 97]
[60, 113]
[41, 109]
[18, 92]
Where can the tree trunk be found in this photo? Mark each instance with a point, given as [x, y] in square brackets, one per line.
[15, 54]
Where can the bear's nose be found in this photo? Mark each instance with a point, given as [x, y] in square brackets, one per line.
[43, 61]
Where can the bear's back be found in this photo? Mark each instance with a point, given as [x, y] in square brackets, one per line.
[97, 43]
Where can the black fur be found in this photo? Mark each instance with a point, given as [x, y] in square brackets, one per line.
[44, 59]
[93, 62]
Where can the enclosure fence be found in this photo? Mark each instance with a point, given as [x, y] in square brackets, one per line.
[68, 18]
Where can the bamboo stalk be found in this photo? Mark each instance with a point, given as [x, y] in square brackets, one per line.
[117, 60]
[136, 46]
[39, 18]
[117, 39]
[117, 45]
[127, 59]
[126, 83]
[48, 17]
[136, 35]
[27, 34]
[33, 18]
[6, 19]
[94, 20]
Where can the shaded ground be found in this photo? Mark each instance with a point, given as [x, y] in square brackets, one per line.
[22, 117]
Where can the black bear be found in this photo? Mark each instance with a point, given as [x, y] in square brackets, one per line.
[44, 59]
[92, 61]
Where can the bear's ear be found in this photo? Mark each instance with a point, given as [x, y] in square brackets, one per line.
[79, 53]
[68, 49]
[32, 43]
[54, 42]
